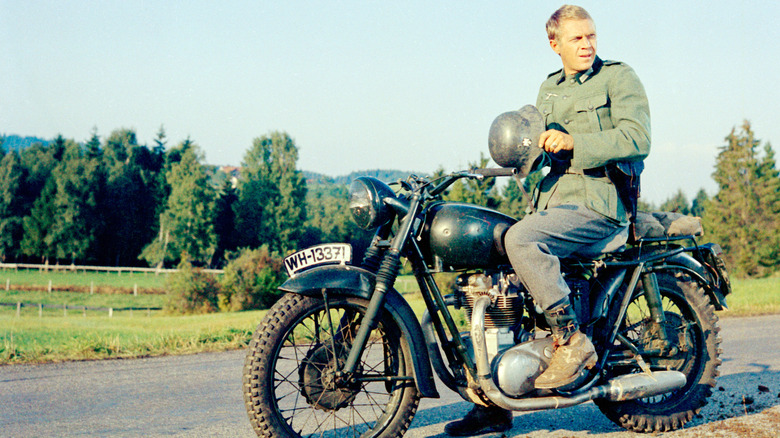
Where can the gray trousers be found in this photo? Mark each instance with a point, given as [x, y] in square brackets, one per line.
[536, 243]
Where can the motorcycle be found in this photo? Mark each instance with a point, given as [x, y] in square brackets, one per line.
[342, 353]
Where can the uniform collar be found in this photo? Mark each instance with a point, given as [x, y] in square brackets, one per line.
[582, 76]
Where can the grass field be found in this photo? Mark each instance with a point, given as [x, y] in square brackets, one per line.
[55, 337]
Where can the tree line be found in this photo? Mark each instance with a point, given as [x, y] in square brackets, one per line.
[116, 202]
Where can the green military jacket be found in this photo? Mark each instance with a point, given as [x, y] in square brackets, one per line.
[605, 110]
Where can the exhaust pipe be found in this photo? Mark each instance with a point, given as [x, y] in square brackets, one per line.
[622, 388]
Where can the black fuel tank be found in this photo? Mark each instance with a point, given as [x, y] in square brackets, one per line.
[465, 235]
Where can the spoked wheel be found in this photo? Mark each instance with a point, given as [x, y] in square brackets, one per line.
[292, 381]
[692, 331]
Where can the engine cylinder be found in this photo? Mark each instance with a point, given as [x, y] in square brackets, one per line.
[507, 308]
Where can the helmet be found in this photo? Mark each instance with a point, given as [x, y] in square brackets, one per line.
[514, 139]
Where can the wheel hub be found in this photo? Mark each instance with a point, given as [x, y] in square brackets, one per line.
[318, 380]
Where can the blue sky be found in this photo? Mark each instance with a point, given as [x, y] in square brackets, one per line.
[407, 85]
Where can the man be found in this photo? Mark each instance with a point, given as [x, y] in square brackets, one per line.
[596, 115]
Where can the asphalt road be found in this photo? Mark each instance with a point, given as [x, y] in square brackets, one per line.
[200, 395]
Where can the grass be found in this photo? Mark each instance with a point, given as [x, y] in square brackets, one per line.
[93, 335]
[59, 338]
[82, 299]
[753, 297]
[126, 280]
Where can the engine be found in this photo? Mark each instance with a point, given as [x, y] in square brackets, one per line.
[516, 357]
[503, 318]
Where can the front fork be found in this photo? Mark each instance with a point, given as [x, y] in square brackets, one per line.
[385, 279]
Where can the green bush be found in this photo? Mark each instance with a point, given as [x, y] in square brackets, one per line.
[191, 291]
[251, 280]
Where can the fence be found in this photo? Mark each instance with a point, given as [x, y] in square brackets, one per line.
[76, 268]
[83, 309]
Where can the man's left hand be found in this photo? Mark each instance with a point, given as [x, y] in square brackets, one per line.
[554, 141]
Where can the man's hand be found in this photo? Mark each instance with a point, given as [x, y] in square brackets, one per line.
[554, 141]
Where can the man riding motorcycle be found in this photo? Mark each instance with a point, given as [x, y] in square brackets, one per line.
[597, 118]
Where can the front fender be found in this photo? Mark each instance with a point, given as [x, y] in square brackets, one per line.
[352, 281]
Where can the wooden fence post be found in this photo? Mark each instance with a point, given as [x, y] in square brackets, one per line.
[7, 284]
[40, 310]
[49, 286]
[110, 312]
[18, 309]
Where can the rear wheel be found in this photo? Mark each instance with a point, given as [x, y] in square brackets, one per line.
[291, 384]
[692, 330]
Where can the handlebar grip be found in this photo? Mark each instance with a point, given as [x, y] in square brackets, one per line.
[496, 171]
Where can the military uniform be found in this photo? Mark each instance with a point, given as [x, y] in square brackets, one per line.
[605, 110]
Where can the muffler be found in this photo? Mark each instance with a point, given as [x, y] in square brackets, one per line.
[622, 388]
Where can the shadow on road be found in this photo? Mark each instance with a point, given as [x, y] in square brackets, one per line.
[734, 395]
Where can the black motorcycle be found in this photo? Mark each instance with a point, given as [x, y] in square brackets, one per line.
[342, 353]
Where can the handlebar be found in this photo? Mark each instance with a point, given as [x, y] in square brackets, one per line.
[496, 171]
[474, 173]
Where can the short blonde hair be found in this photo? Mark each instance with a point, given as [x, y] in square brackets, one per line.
[565, 12]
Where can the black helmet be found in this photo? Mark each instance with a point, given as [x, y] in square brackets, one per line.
[514, 139]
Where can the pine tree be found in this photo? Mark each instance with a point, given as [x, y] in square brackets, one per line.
[743, 216]
[699, 202]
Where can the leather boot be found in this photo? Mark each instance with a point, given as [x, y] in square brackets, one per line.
[479, 420]
[573, 350]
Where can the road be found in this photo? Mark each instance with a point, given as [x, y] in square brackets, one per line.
[200, 395]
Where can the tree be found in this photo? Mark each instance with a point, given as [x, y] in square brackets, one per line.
[225, 221]
[93, 146]
[133, 198]
[677, 203]
[697, 206]
[186, 230]
[271, 208]
[12, 179]
[80, 181]
[36, 241]
[744, 215]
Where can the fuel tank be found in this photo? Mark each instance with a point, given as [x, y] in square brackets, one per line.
[464, 236]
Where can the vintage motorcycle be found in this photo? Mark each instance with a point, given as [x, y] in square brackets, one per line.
[342, 353]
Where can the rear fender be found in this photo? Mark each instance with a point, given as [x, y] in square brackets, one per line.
[351, 281]
[699, 272]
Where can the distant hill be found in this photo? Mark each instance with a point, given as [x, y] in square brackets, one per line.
[385, 175]
[17, 143]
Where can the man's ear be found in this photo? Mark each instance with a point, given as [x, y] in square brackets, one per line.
[555, 47]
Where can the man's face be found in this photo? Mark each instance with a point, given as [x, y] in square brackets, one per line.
[576, 44]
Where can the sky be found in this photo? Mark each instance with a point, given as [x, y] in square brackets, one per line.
[360, 84]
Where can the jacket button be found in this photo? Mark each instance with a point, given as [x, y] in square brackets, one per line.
[567, 121]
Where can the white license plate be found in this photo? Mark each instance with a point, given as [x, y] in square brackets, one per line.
[318, 255]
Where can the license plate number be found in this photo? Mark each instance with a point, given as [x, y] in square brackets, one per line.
[318, 255]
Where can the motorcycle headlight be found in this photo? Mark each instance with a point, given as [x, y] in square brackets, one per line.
[365, 201]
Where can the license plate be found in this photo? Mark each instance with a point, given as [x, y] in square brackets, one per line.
[318, 255]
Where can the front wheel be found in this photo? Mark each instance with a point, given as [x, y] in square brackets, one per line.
[692, 332]
[292, 386]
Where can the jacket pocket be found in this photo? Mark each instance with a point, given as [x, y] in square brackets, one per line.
[595, 109]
